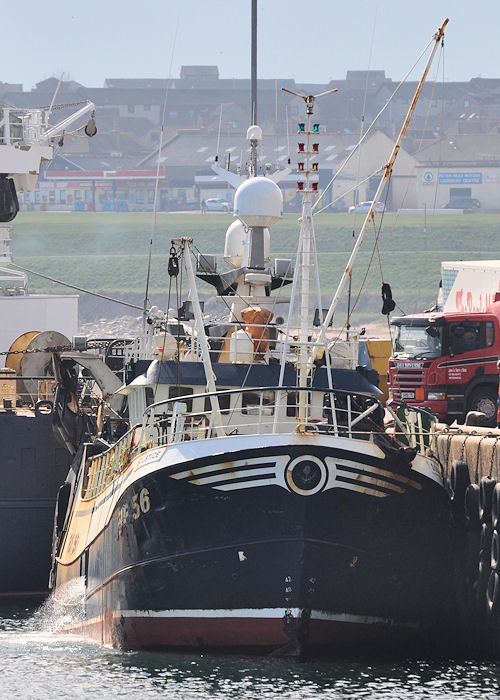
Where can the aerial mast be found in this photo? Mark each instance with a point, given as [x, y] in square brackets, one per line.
[253, 114]
[308, 186]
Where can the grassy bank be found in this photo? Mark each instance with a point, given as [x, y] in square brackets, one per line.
[108, 252]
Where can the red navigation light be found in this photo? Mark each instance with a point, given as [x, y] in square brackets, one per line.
[301, 147]
[300, 185]
[314, 186]
[315, 147]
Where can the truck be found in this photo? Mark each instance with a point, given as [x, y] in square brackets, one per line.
[446, 359]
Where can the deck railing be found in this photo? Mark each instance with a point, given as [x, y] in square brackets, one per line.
[251, 411]
[255, 342]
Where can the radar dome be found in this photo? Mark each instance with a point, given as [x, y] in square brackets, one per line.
[258, 202]
[236, 248]
[254, 133]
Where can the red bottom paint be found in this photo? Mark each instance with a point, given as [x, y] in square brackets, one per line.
[235, 633]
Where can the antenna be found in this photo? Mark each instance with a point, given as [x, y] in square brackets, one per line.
[254, 63]
[157, 180]
[309, 99]
[218, 134]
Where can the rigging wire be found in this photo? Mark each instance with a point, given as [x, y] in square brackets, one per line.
[73, 286]
[378, 233]
[418, 149]
[49, 112]
[362, 120]
[351, 189]
[376, 247]
[372, 126]
[157, 180]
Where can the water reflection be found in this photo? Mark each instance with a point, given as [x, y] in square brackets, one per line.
[37, 662]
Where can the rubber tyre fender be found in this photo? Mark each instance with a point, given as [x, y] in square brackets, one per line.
[484, 568]
[493, 595]
[481, 587]
[485, 543]
[459, 479]
[495, 507]
[486, 486]
[495, 551]
[472, 519]
[484, 397]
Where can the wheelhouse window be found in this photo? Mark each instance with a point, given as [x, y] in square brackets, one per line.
[253, 403]
[178, 391]
[224, 403]
[291, 404]
[150, 396]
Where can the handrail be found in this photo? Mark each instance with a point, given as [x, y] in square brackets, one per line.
[253, 389]
[341, 416]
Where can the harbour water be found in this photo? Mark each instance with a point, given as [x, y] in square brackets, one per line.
[38, 662]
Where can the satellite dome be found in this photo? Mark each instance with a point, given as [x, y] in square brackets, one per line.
[236, 248]
[258, 202]
[254, 133]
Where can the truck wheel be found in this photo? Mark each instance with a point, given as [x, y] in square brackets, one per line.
[484, 399]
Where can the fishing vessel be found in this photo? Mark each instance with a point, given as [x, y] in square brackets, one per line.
[32, 463]
[251, 496]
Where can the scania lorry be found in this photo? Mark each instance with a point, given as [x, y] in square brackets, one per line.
[447, 359]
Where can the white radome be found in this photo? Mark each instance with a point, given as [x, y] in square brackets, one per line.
[258, 202]
[254, 133]
[236, 246]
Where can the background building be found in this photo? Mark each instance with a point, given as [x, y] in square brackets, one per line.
[453, 142]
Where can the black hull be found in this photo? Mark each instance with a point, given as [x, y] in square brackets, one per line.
[32, 468]
[263, 568]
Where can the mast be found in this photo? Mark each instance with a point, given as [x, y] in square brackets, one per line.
[201, 337]
[308, 184]
[253, 114]
[383, 181]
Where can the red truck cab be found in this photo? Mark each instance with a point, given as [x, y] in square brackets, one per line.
[447, 362]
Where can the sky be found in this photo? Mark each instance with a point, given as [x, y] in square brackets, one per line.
[308, 40]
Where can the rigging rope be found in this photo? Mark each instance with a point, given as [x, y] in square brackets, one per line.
[78, 289]
[372, 125]
[377, 233]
